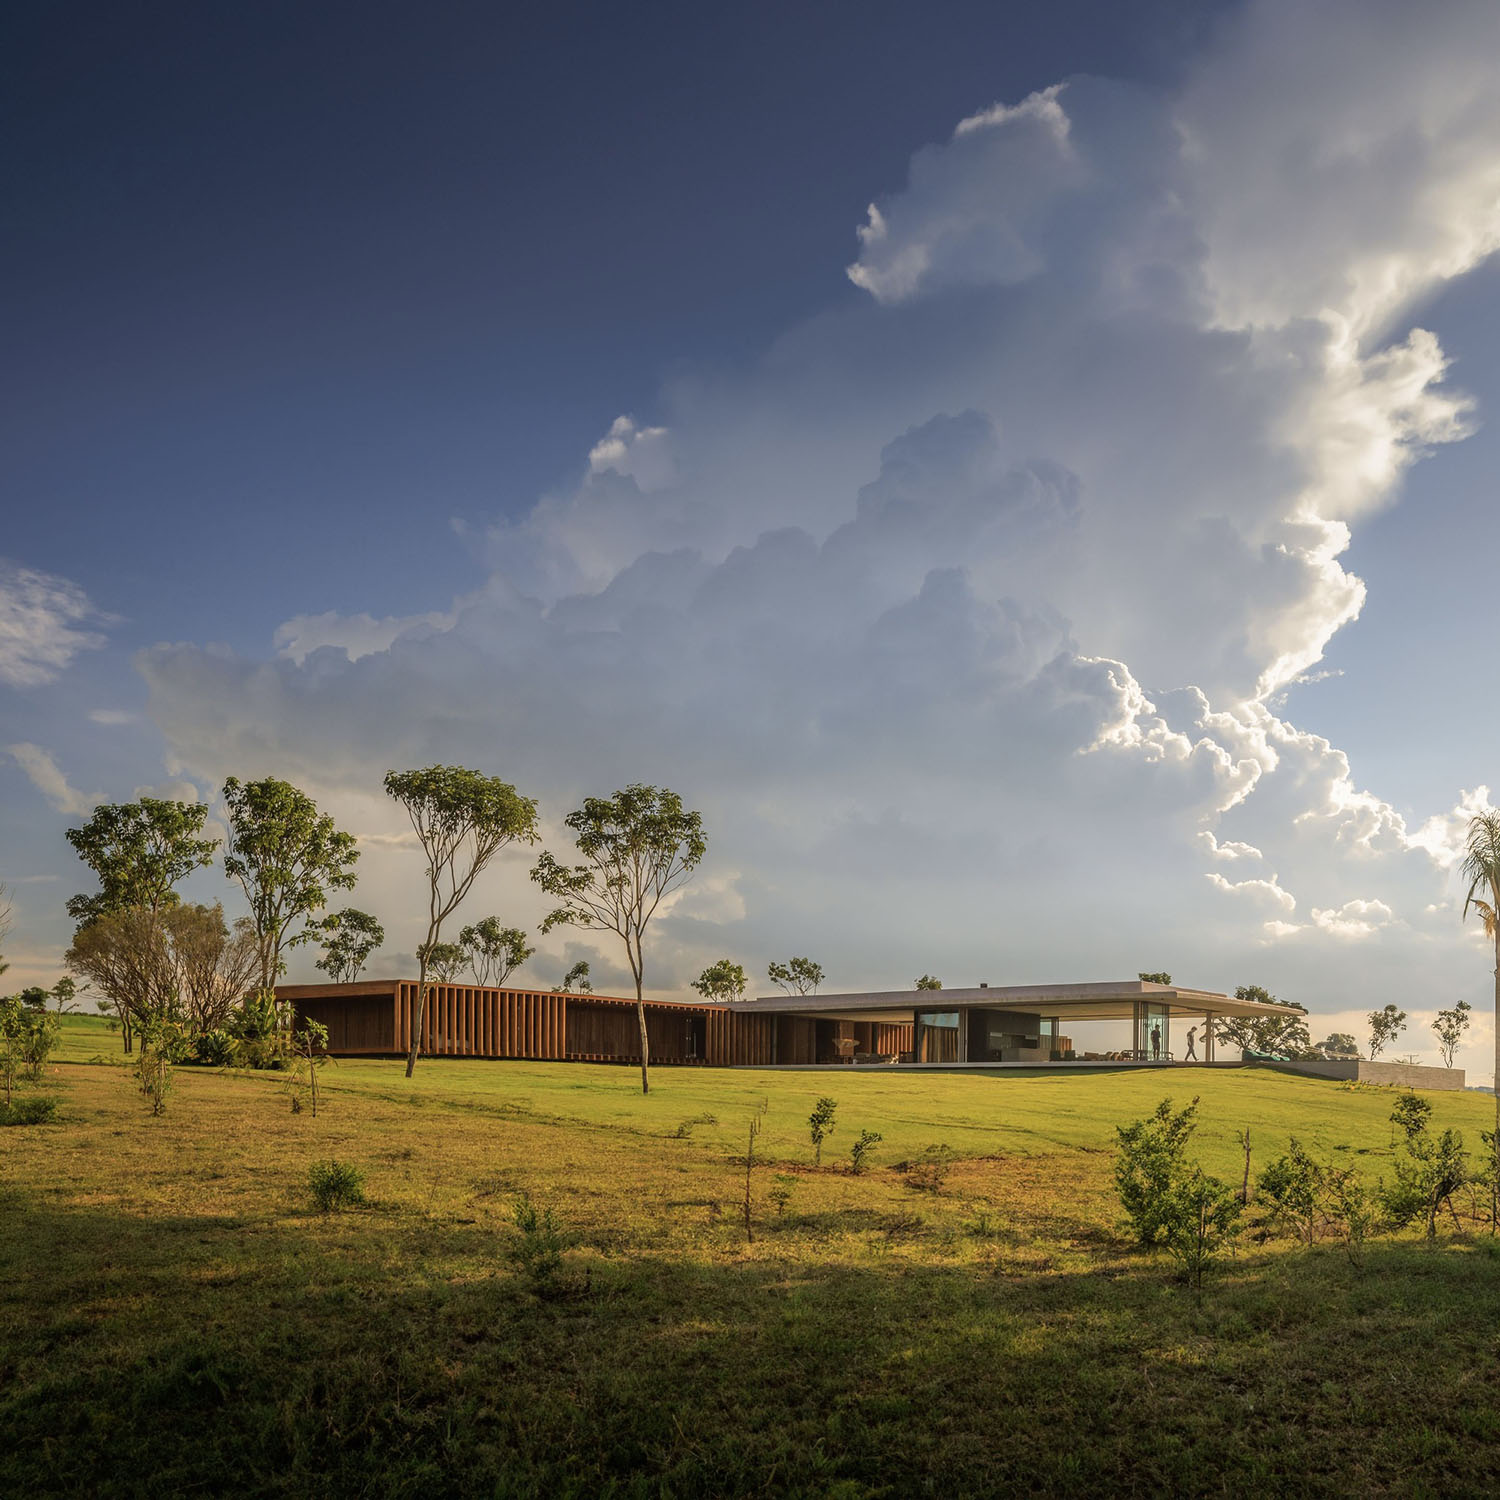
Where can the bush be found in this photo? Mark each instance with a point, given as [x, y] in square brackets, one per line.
[263, 1052]
[1169, 1201]
[1428, 1173]
[1294, 1185]
[1411, 1115]
[1310, 1197]
[820, 1126]
[163, 1045]
[255, 1018]
[539, 1249]
[1150, 1164]
[335, 1185]
[40, 1036]
[216, 1049]
[929, 1171]
[39, 1109]
[1200, 1217]
[862, 1150]
[780, 1192]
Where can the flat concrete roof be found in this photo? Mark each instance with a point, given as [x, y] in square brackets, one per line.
[386, 989]
[1093, 1000]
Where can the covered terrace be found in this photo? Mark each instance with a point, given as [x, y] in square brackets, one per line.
[1022, 1025]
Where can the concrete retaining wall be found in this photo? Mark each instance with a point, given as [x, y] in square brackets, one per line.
[1397, 1075]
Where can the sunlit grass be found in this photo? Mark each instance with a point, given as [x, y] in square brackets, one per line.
[173, 1305]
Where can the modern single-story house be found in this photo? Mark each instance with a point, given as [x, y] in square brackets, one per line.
[984, 1026]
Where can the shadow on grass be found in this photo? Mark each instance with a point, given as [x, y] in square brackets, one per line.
[344, 1355]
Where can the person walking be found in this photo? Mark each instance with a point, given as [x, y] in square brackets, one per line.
[1192, 1055]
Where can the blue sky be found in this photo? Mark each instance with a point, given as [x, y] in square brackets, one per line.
[1105, 515]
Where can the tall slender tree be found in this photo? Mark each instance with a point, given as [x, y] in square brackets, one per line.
[494, 952]
[139, 851]
[286, 856]
[797, 976]
[1481, 868]
[724, 981]
[446, 960]
[462, 820]
[348, 939]
[637, 847]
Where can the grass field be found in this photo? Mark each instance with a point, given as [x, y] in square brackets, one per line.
[175, 1316]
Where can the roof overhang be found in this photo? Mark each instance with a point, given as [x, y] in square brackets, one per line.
[1103, 1000]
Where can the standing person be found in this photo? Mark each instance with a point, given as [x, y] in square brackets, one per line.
[1156, 1042]
[1192, 1055]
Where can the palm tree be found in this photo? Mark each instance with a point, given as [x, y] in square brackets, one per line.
[1481, 868]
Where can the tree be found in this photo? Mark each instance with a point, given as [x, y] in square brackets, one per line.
[820, 1125]
[446, 960]
[65, 992]
[576, 977]
[723, 981]
[309, 1054]
[213, 964]
[286, 856]
[1450, 1027]
[494, 952]
[1160, 977]
[139, 851]
[349, 937]
[1385, 1026]
[637, 846]
[124, 955]
[1340, 1044]
[462, 820]
[1287, 1036]
[1481, 868]
[797, 976]
[927, 982]
[14, 1025]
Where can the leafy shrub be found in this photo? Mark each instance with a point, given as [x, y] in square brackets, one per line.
[264, 1052]
[1412, 1115]
[1311, 1197]
[27, 1036]
[335, 1185]
[255, 1018]
[928, 1172]
[40, 1035]
[1151, 1161]
[820, 1126]
[1201, 1218]
[163, 1045]
[538, 1250]
[1429, 1171]
[1169, 1201]
[780, 1192]
[862, 1150]
[39, 1109]
[216, 1049]
[1293, 1186]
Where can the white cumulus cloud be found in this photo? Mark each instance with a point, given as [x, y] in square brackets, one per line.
[42, 620]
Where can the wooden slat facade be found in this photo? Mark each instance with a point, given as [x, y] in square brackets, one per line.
[466, 1021]
[375, 1018]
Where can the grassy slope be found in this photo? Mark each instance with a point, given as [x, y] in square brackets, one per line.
[169, 1304]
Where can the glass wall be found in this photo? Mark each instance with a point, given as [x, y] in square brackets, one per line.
[937, 1036]
[1153, 1039]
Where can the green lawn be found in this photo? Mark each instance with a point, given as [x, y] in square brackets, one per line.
[175, 1316]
